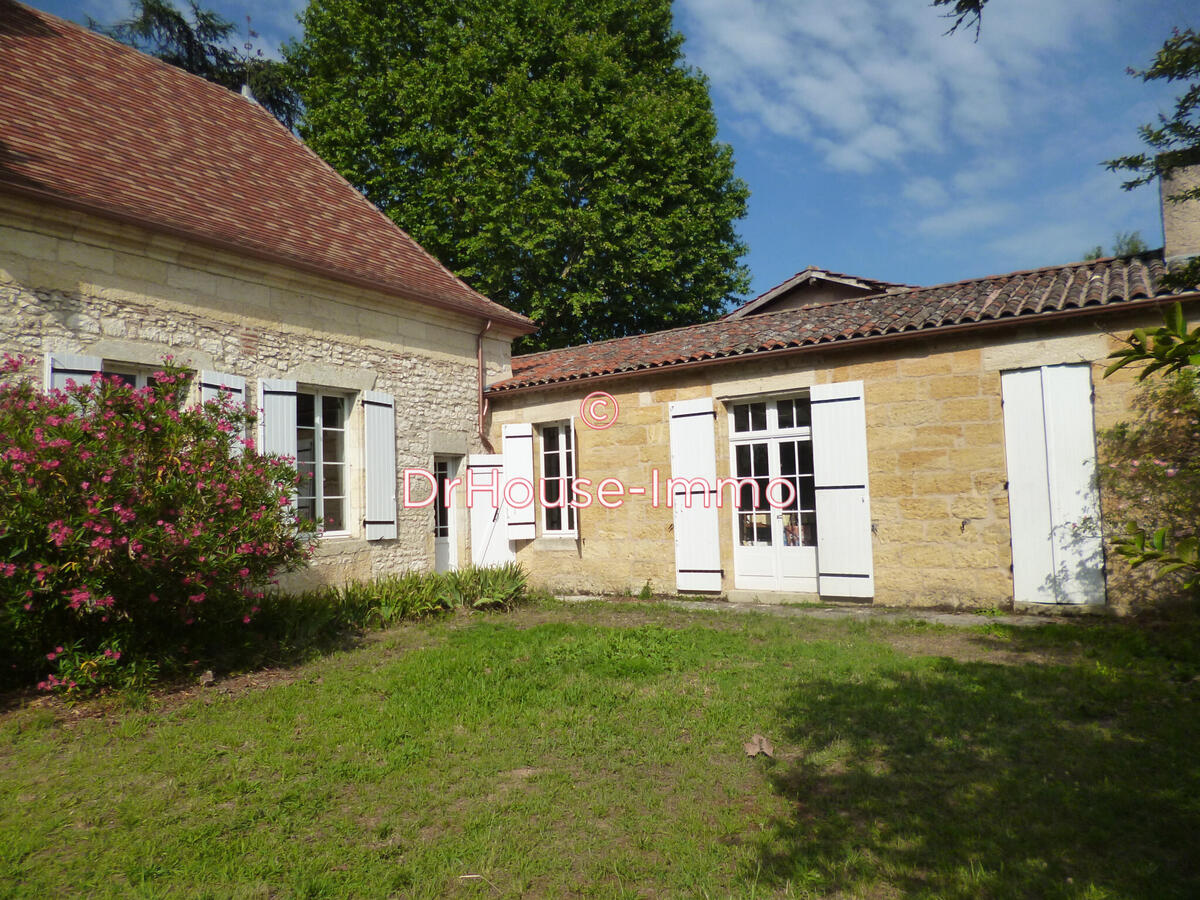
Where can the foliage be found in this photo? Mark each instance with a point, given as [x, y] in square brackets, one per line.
[292, 624]
[1152, 477]
[1125, 243]
[1167, 349]
[558, 156]
[136, 532]
[1174, 141]
[202, 46]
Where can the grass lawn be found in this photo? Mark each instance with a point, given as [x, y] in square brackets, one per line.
[596, 751]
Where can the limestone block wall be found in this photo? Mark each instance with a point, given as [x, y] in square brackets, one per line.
[72, 283]
[935, 438]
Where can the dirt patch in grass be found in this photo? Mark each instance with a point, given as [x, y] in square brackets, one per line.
[971, 646]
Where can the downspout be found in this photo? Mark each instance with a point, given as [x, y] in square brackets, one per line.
[483, 403]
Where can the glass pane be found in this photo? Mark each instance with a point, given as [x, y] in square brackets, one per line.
[755, 530]
[762, 493]
[808, 529]
[570, 511]
[791, 530]
[551, 465]
[550, 439]
[306, 507]
[741, 418]
[306, 449]
[307, 486]
[786, 413]
[808, 494]
[787, 458]
[333, 446]
[743, 461]
[305, 410]
[746, 495]
[332, 485]
[761, 467]
[553, 491]
[332, 412]
[554, 519]
[566, 430]
[803, 413]
[790, 498]
[335, 520]
[806, 458]
[758, 416]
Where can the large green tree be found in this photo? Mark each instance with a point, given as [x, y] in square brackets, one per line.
[556, 154]
[202, 43]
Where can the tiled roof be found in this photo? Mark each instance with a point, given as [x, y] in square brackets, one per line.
[95, 125]
[1102, 286]
[813, 274]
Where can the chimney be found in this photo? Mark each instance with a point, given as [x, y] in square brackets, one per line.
[248, 94]
[1181, 221]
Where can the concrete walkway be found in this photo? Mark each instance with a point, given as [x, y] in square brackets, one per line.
[853, 611]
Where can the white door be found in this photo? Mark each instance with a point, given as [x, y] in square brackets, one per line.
[1054, 504]
[445, 536]
[483, 493]
[775, 525]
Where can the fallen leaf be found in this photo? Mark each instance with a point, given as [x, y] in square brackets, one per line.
[759, 744]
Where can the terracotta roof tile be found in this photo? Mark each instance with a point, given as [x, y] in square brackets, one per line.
[95, 125]
[1107, 285]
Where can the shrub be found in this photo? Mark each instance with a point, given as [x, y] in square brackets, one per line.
[1151, 476]
[136, 532]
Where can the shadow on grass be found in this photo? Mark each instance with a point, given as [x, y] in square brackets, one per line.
[955, 779]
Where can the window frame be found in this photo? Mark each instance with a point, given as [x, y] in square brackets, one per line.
[319, 395]
[568, 461]
[773, 435]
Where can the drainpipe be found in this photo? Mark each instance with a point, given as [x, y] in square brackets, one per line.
[483, 403]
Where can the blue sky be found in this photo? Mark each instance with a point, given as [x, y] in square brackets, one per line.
[873, 144]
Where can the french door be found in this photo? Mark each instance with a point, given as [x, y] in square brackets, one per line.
[775, 520]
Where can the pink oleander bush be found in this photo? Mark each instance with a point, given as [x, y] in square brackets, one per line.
[135, 533]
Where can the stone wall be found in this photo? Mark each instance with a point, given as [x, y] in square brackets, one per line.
[72, 283]
[935, 437]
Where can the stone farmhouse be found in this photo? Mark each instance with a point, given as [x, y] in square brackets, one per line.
[146, 212]
[893, 444]
[837, 437]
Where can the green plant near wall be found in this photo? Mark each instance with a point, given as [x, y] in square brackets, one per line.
[1152, 463]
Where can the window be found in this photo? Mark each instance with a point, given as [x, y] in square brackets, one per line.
[441, 512]
[321, 458]
[558, 475]
[772, 440]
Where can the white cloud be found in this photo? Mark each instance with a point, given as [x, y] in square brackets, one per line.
[876, 81]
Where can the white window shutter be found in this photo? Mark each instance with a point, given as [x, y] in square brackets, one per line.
[845, 566]
[489, 523]
[212, 383]
[277, 423]
[1054, 507]
[211, 386]
[380, 416]
[518, 463]
[63, 367]
[697, 526]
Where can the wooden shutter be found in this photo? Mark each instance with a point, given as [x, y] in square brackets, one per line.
[697, 528]
[489, 526]
[211, 386]
[1054, 508]
[845, 565]
[277, 422]
[212, 383]
[379, 411]
[518, 463]
[63, 367]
